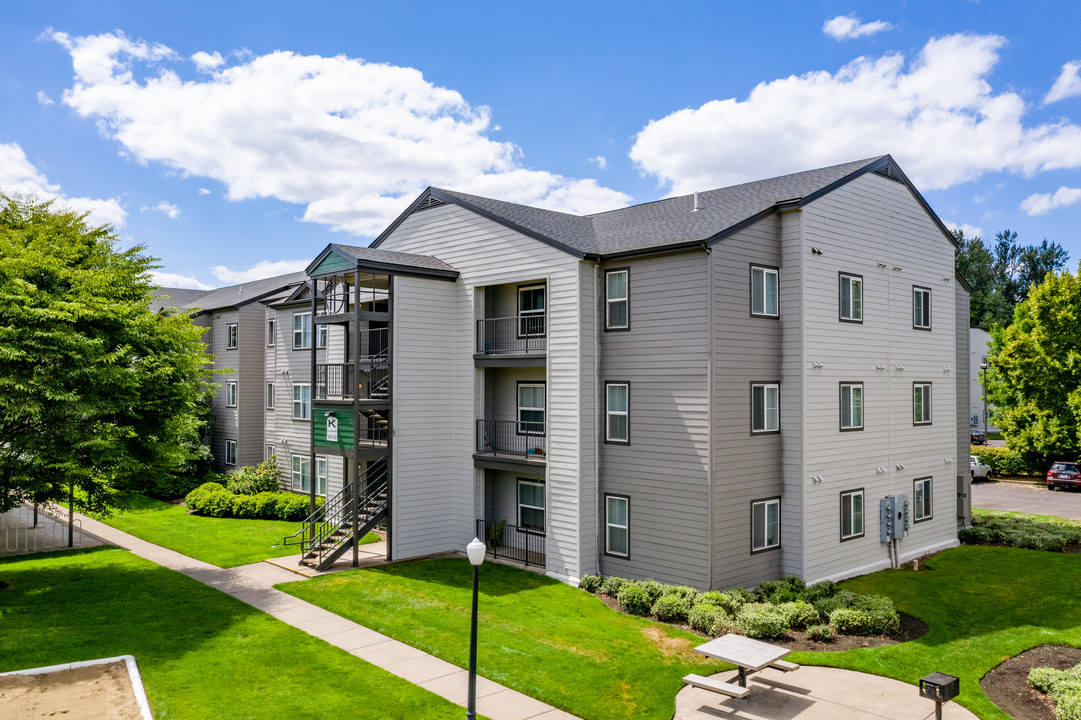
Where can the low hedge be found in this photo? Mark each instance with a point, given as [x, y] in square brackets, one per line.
[1004, 461]
[1063, 685]
[214, 500]
[1021, 531]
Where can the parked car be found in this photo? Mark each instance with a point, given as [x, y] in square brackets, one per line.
[1063, 474]
[978, 437]
[979, 470]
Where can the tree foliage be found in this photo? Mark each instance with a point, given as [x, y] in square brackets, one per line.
[1034, 379]
[1000, 275]
[95, 389]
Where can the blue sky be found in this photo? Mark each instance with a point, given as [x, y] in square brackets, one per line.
[235, 140]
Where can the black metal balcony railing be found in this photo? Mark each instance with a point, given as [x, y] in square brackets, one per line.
[504, 540]
[333, 381]
[521, 334]
[512, 437]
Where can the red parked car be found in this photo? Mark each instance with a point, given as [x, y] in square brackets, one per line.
[1063, 474]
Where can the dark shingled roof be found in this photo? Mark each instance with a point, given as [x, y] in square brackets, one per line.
[226, 297]
[388, 257]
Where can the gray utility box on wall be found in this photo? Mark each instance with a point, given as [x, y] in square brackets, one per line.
[893, 517]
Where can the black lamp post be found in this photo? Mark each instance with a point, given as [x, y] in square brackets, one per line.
[475, 551]
[983, 381]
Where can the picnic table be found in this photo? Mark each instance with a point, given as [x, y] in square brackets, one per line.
[746, 654]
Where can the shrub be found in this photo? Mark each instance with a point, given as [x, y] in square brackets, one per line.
[1064, 686]
[671, 608]
[634, 599]
[840, 599]
[196, 497]
[290, 506]
[244, 506]
[1021, 531]
[682, 591]
[710, 597]
[798, 613]
[612, 586]
[872, 615]
[823, 589]
[709, 619]
[591, 583]
[653, 589]
[214, 500]
[762, 620]
[741, 595]
[265, 477]
[820, 633]
[786, 589]
[173, 486]
[1004, 461]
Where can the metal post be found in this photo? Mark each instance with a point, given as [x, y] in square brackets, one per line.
[471, 707]
[71, 512]
[356, 514]
[983, 382]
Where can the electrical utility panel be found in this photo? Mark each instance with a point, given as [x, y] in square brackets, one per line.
[893, 517]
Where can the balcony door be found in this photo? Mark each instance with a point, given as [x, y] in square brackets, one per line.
[531, 311]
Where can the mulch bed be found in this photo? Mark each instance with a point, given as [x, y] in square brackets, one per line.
[1007, 685]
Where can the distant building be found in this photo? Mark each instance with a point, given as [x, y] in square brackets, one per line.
[979, 344]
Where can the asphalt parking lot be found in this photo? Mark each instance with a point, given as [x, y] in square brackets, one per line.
[1022, 497]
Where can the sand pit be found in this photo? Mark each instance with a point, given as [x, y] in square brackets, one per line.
[86, 691]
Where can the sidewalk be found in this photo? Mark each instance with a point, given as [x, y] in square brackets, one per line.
[253, 584]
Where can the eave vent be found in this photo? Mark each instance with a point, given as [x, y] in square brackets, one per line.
[430, 202]
[889, 171]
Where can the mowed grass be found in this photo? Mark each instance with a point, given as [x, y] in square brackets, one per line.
[543, 638]
[202, 653]
[225, 542]
[982, 605]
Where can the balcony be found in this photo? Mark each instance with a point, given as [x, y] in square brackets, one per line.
[519, 335]
[511, 542]
[518, 440]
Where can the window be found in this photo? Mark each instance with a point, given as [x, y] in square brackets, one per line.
[302, 473]
[921, 308]
[530, 408]
[302, 401]
[230, 452]
[531, 505]
[765, 415]
[271, 332]
[320, 476]
[269, 452]
[765, 524]
[921, 491]
[302, 330]
[617, 513]
[851, 406]
[617, 300]
[851, 298]
[851, 514]
[531, 311]
[921, 403]
[270, 396]
[617, 412]
[763, 291]
[231, 336]
[230, 394]
[321, 335]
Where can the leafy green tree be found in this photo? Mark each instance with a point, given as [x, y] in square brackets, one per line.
[96, 391]
[1000, 276]
[1034, 380]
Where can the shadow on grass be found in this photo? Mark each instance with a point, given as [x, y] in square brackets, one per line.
[495, 579]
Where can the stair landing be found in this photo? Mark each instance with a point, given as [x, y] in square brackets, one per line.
[368, 556]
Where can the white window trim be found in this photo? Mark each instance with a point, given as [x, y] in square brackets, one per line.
[926, 292]
[298, 402]
[929, 500]
[269, 449]
[609, 525]
[232, 336]
[271, 332]
[321, 475]
[299, 333]
[609, 300]
[841, 395]
[322, 331]
[848, 507]
[542, 508]
[230, 453]
[270, 396]
[526, 427]
[926, 400]
[851, 317]
[609, 413]
[297, 473]
[526, 327]
[766, 387]
[231, 393]
[765, 505]
[764, 312]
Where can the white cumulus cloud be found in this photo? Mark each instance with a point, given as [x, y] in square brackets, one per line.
[204, 191]
[937, 114]
[600, 161]
[970, 231]
[165, 208]
[1067, 85]
[1043, 203]
[262, 269]
[174, 280]
[844, 27]
[44, 99]
[18, 175]
[350, 140]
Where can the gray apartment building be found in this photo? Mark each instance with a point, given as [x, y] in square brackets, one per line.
[713, 390]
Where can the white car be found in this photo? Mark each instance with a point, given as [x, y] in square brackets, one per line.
[979, 470]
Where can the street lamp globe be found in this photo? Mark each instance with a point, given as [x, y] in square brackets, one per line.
[475, 551]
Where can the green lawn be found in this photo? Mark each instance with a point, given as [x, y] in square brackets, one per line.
[225, 542]
[202, 653]
[982, 604]
[538, 636]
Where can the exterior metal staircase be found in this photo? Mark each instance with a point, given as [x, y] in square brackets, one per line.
[332, 529]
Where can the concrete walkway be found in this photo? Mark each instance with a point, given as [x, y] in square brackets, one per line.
[253, 584]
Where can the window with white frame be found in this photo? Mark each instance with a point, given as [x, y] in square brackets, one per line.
[851, 298]
[302, 401]
[851, 406]
[530, 408]
[321, 331]
[230, 394]
[764, 291]
[302, 330]
[765, 524]
[320, 475]
[531, 505]
[302, 473]
[268, 452]
[531, 311]
[230, 452]
[921, 308]
[851, 514]
[271, 332]
[270, 396]
[921, 505]
[765, 407]
[617, 412]
[617, 299]
[921, 403]
[617, 525]
[231, 336]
